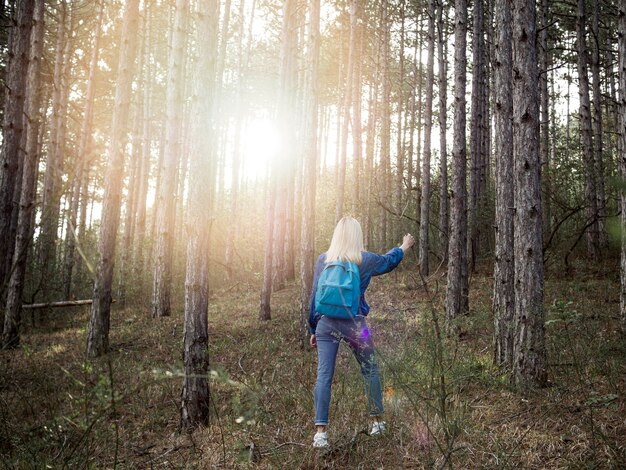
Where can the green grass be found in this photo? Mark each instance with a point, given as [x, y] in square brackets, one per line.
[58, 409]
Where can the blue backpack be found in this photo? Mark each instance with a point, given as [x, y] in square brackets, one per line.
[339, 290]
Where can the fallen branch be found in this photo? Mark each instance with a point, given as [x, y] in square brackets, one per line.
[64, 303]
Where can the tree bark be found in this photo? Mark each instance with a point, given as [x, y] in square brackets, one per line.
[476, 133]
[357, 95]
[443, 128]
[148, 98]
[384, 176]
[598, 147]
[457, 287]
[399, 183]
[12, 316]
[166, 216]
[346, 117]
[307, 247]
[545, 116]
[504, 266]
[195, 393]
[593, 241]
[82, 159]
[428, 126]
[98, 338]
[12, 128]
[53, 182]
[622, 151]
[529, 364]
[287, 120]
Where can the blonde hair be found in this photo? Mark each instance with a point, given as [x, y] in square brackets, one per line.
[347, 241]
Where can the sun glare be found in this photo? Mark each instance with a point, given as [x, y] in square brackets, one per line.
[260, 142]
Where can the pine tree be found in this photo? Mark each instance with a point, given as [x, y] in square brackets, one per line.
[12, 316]
[529, 362]
[98, 337]
[457, 287]
[195, 393]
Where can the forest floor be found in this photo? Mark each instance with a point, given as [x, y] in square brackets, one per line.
[444, 406]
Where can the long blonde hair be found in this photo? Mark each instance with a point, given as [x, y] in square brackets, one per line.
[347, 241]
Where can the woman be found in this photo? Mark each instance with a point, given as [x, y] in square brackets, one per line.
[327, 332]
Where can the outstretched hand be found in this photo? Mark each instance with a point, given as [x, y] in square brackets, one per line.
[407, 242]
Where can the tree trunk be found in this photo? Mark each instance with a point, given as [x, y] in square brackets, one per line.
[12, 316]
[443, 128]
[307, 247]
[475, 133]
[593, 241]
[428, 126]
[287, 118]
[598, 157]
[131, 201]
[147, 99]
[622, 151]
[237, 151]
[53, 182]
[545, 116]
[82, 159]
[420, 111]
[357, 94]
[399, 183]
[98, 338]
[370, 150]
[504, 267]
[385, 138]
[529, 363]
[166, 216]
[457, 287]
[347, 101]
[266, 290]
[195, 393]
[12, 127]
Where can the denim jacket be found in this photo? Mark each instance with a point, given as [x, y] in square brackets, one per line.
[372, 265]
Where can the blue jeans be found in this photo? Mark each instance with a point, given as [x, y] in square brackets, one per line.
[329, 333]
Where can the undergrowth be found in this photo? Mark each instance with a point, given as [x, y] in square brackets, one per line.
[447, 406]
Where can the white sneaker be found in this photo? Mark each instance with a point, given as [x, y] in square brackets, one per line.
[320, 440]
[377, 428]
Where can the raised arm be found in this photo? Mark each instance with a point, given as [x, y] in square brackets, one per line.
[382, 264]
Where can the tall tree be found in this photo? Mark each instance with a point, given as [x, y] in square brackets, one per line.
[273, 271]
[52, 190]
[598, 146]
[147, 100]
[307, 247]
[287, 117]
[457, 287]
[384, 177]
[622, 149]
[504, 267]
[357, 95]
[428, 126]
[544, 129]
[82, 158]
[12, 127]
[399, 183]
[166, 215]
[443, 130]
[346, 118]
[12, 316]
[593, 240]
[98, 337]
[195, 394]
[476, 130]
[529, 362]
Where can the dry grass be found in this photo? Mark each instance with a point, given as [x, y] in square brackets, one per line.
[56, 407]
